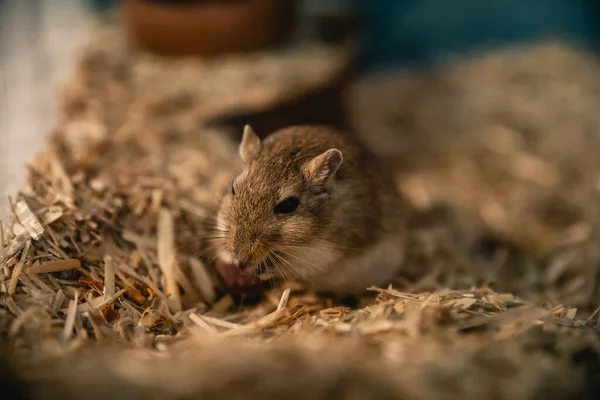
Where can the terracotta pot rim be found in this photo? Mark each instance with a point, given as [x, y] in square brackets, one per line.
[208, 7]
[212, 16]
[207, 28]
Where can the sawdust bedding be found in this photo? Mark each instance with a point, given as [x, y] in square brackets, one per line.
[103, 294]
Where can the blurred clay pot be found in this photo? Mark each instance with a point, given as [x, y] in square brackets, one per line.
[208, 27]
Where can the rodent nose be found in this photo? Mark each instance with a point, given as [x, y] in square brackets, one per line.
[243, 246]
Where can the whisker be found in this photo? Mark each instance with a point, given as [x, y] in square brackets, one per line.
[270, 270]
[291, 255]
[318, 250]
[215, 237]
[208, 216]
[198, 230]
[201, 229]
[207, 250]
[284, 266]
[213, 259]
[277, 269]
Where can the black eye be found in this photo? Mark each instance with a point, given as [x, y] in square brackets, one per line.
[287, 206]
[232, 190]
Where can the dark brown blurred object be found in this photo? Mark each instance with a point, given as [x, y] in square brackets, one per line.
[209, 27]
[322, 106]
[316, 104]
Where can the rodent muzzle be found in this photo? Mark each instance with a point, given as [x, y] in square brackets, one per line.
[247, 250]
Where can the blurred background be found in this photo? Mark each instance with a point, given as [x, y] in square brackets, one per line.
[487, 110]
[39, 40]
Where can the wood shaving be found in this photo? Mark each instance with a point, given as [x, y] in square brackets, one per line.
[28, 220]
[105, 290]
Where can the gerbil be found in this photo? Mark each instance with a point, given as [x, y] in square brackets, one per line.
[312, 205]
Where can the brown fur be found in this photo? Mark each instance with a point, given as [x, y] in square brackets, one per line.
[361, 206]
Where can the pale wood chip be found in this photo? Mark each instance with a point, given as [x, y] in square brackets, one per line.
[464, 303]
[219, 322]
[70, 320]
[571, 313]
[52, 214]
[284, 299]
[28, 220]
[500, 298]
[58, 301]
[257, 326]
[202, 324]
[156, 199]
[104, 300]
[203, 281]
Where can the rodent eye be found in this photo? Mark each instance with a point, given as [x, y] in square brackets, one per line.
[287, 206]
[232, 190]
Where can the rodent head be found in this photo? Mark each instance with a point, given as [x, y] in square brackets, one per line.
[280, 203]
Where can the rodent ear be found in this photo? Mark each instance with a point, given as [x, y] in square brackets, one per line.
[321, 168]
[250, 144]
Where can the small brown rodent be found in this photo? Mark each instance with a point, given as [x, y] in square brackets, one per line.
[313, 205]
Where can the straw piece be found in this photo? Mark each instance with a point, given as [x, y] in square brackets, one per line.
[54, 213]
[219, 322]
[257, 326]
[284, 299]
[55, 266]
[104, 300]
[202, 324]
[58, 301]
[109, 277]
[35, 279]
[12, 286]
[1, 243]
[571, 313]
[70, 319]
[167, 259]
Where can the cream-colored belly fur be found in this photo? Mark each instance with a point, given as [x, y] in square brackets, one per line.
[329, 270]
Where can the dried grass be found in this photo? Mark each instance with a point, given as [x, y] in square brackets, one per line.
[512, 149]
[103, 293]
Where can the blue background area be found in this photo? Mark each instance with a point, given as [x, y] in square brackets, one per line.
[404, 32]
